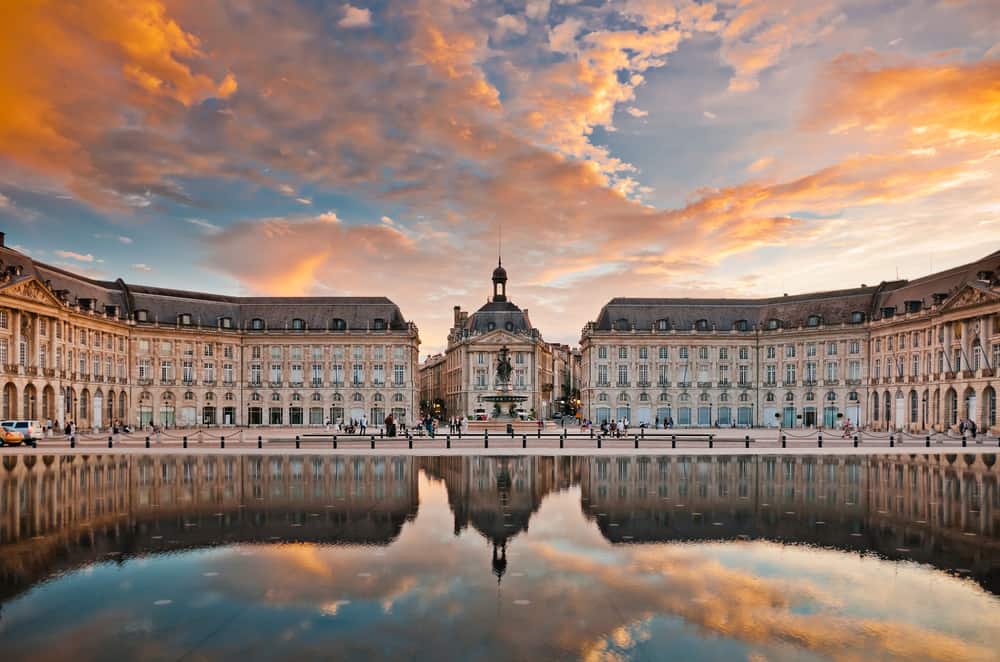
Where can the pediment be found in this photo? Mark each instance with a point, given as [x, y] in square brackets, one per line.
[30, 289]
[969, 296]
[500, 337]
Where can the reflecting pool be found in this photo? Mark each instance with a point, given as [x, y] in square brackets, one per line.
[478, 558]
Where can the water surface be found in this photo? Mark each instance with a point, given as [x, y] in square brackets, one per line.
[715, 558]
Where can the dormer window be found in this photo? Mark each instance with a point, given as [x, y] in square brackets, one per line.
[622, 324]
[913, 306]
[814, 320]
[111, 310]
[298, 324]
[701, 325]
[888, 311]
[663, 325]
[142, 315]
[339, 325]
[378, 324]
[86, 304]
[509, 326]
[857, 317]
[257, 324]
[491, 326]
[184, 319]
[225, 322]
[939, 298]
[773, 324]
[741, 325]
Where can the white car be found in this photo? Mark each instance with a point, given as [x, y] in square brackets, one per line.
[32, 430]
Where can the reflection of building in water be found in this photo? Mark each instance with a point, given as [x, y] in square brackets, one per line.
[59, 512]
[943, 509]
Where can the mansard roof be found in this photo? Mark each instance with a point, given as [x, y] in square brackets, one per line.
[498, 314]
[165, 305]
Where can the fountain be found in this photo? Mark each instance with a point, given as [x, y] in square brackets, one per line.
[503, 395]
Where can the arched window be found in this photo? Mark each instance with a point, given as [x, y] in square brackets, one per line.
[814, 320]
[704, 397]
[225, 322]
[852, 396]
[229, 397]
[831, 396]
[316, 397]
[298, 324]
[378, 397]
[789, 397]
[296, 397]
[773, 324]
[744, 397]
[189, 395]
[491, 326]
[723, 397]
[378, 324]
[338, 324]
[664, 397]
[621, 324]
[702, 325]
[623, 397]
[603, 397]
[338, 397]
[769, 397]
[275, 397]
[663, 325]
[357, 397]
[184, 319]
[684, 397]
[509, 326]
[741, 325]
[643, 397]
[257, 324]
[810, 396]
[255, 397]
[399, 397]
[857, 317]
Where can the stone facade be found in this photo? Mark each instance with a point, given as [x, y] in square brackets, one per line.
[469, 363]
[92, 352]
[812, 360]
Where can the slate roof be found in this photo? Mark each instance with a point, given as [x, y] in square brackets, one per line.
[164, 305]
[498, 313]
[944, 283]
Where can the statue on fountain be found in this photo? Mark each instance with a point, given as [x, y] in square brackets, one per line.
[504, 367]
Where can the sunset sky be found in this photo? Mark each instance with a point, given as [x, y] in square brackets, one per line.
[631, 148]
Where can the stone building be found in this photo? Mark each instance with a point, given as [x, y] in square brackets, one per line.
[90, 351]
[471, 356]
[809, 360]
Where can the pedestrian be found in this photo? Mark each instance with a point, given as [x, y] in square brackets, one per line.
[363, 424]
[973, 428]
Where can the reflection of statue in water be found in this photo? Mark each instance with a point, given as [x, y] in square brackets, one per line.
[500, 562]
[503, 366]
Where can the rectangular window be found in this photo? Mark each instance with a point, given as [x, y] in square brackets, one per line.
[664, 375]
[187, 371]
[682, 353]
[602, 375]
[337, 374]
[789, 351]
[854, 347]
[188, 349]
[854, 370]
[378, 353]
[916, 364]
[145, 371]
[359, 352]
[358, 374]
[703, 353]
[255, 374]
[23, 353]
[209, 372]
[643, 373]
[4, 320]
[3, 351]
[744, 375]
[296, 352]
[166, 371]
[398, 375]
[831, 349]
[227, 373]
[789, 373]
[772, 352]
[811, 349]
[643, 353]
[622, 375]
[255, 352]
[876, 369]
[227, 352]
[297, 373]
[166, 347]
[623, 352]
[723, 353]
[602, 352]
[378, 374]
[275, 353]
[744, 353]
[96, 367]
[317, 353]
[832, 370]
[810, 375]
[519, 358]
[42, 326]
[317, 374]
[208, 349]
[664, 353]
[275, 372]
[724, 374]
[771, 373]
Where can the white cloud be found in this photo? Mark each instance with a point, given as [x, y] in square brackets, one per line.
[4, 201]
[537, 9]
[509, 24]
[562, 38]
[709, 114]
[303, 201]
[204, 226]
[72, 255]
[388, 221]
[286, 189]
[122, 239]
[142, 267]
[636, 112]
[328, 217]
[355, 17]
[896, 42]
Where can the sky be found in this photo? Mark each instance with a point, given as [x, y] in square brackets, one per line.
[628, 148]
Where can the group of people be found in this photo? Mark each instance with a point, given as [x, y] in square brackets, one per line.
[457, 425]
[350, 426]
[615, 428]
[968, 425]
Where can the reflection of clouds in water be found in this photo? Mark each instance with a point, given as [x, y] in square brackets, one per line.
[759, 593]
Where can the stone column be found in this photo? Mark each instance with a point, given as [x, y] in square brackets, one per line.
[15, 354]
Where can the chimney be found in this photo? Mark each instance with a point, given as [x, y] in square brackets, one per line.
[458, 314]
[2, 240]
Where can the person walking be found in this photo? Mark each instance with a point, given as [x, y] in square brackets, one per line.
[363, 425]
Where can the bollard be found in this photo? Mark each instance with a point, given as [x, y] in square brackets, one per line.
[598, 441]
[297, 441]
[409, 440]
[892, 441]
[524, 441]
[222, 442]
[710, 444]
[673, 441]
[819, 440]
[147, 442]
[927, 441]
[963, 441]
[72, 441]
[486, 440]
[746, 440]
[260, 442]
[591, 433]
[539, 433]
[334, 442]
[373, 442]
[447, 441]
[381, 434]
[855, 441]
[185, 442]
[562, 439]
[642, 432]
[109, 442]
[784, 441]
[636, 442]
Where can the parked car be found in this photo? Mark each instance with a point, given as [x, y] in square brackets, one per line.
[11, 437]
[32, 430]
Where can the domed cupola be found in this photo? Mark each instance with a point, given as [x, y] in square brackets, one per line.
[499, 282]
